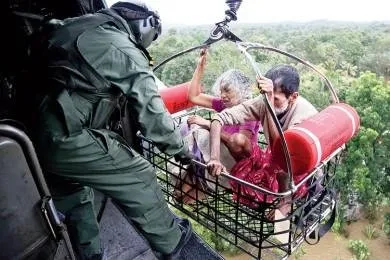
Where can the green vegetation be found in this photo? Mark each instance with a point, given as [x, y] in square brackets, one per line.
[339, 223]
[214, 240]
[359, 249]
[299, 253]
[386, 225]
[370, 232]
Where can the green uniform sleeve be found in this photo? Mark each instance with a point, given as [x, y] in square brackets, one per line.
[154, 121]
[126, 67]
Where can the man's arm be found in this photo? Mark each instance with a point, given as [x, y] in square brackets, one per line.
[250, 110]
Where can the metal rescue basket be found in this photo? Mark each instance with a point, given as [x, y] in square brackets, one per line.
[259, 226]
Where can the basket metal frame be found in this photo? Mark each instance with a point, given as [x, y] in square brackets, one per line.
[246, 227]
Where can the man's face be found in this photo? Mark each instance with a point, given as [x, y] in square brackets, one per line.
[281, 102]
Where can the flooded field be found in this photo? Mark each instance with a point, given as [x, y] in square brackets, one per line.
[335, 247]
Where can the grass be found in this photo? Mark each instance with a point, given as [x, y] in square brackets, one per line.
[371, 232]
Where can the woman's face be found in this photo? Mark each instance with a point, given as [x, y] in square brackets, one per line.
[229, 96]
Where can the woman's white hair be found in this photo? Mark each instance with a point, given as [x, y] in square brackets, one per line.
[236, 80]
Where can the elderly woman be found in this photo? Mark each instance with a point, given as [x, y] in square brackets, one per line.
[230, 89]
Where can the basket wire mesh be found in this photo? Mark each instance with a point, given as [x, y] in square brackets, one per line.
[259, 229]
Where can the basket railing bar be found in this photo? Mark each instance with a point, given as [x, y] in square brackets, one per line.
[273, 244]
[166, 176]
[263, 219]
[301, 211]
[192, 111]
[150, 151]
[216, 207]
[197, 201]
[297, 242]
[261, 237]
[259, 251]
[281, 249]
[237, 203]
[281, 232]
[279, 194]
[227, 175]
[291, 227]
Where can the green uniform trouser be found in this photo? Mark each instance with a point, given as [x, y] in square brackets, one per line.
[80, 217]
[95, 159]
[131, 181]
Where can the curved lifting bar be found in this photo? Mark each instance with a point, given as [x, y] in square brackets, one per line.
[219, 32]
[179, 54]
[249, 45]
[244, 49]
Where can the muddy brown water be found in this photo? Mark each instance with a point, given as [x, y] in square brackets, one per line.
[335, 247]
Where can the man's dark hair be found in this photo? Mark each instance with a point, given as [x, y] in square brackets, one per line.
[286, 77]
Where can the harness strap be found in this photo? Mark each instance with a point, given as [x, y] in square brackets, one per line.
[72, 121]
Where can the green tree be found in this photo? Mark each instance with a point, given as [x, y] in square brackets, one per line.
[366, 166]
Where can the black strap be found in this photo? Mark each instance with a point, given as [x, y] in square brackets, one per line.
[322, 229]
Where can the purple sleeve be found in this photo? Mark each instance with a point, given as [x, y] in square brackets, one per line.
[217, 104]
[252, 126]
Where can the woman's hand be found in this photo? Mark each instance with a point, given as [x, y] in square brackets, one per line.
[266, 86]
[202, 59]
[195, 119]
[215, 167]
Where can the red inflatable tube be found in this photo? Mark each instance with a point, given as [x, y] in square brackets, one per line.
[176, 98]
[317, 137]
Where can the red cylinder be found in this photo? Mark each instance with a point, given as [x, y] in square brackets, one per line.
[316, 138]
[176, 98]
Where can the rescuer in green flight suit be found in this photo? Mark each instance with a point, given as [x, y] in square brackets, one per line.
[94, 61]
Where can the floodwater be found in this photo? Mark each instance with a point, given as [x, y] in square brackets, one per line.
[335, 247]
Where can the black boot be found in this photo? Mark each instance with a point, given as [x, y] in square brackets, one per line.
[101, 256]
[186, 233]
